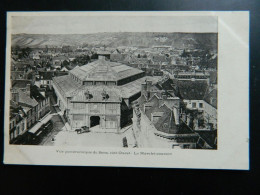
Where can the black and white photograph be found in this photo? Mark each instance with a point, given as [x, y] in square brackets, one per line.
[138, 84]
[113, 89]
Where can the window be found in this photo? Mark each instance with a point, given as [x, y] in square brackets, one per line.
[111, 108]
[165, 125]
[155, 119]
[111, 83]
[18, 130]
[185, 146]
[94, 106]
[100, 83]
[201, 105]
[194, 105]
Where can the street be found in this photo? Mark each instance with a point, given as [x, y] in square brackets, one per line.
[58, 124]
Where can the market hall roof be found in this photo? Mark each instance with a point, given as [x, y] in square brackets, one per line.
[66, 84]
[69, 86]
[102, 70]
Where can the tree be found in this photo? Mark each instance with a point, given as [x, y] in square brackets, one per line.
[65, 63]
[15, 49]
[26, 52]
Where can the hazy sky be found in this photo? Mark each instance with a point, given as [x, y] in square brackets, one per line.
[95, 24]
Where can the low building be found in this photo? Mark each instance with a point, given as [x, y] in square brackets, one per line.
[44, 79]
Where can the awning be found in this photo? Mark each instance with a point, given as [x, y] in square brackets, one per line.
[46, 119]
[35, 128]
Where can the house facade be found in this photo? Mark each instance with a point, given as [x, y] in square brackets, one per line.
[17, 122]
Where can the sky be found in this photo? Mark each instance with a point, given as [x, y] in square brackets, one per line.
[96, 24]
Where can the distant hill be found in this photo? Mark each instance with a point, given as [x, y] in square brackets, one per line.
[139, 39]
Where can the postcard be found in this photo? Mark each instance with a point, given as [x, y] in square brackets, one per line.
[128, 89]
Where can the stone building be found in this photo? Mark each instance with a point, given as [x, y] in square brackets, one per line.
[99, 93]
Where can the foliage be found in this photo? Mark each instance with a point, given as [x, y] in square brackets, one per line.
[81, 60]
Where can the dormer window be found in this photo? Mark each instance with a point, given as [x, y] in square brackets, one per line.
[88, 95]
[104, 95]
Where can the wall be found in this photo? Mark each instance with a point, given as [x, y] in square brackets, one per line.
[18, 129]
[80, 113]
[61, 99]
[210, 114]
[189, 104]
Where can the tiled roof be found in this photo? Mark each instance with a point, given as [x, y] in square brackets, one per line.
[166, 123]
[60, 58]
[18, 74]
[213, 77]
[26, 99]
[209, 137]
[192, 90]
[66, 84]
[102, 70]
[22, 83]
[211, 98]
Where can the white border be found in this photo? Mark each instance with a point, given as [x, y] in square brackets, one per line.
[233, 107]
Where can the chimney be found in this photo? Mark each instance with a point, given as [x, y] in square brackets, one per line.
[149, 85]
[28, 89]
[15, 95]
[164, 97]
[143, 88]
[176, 116]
